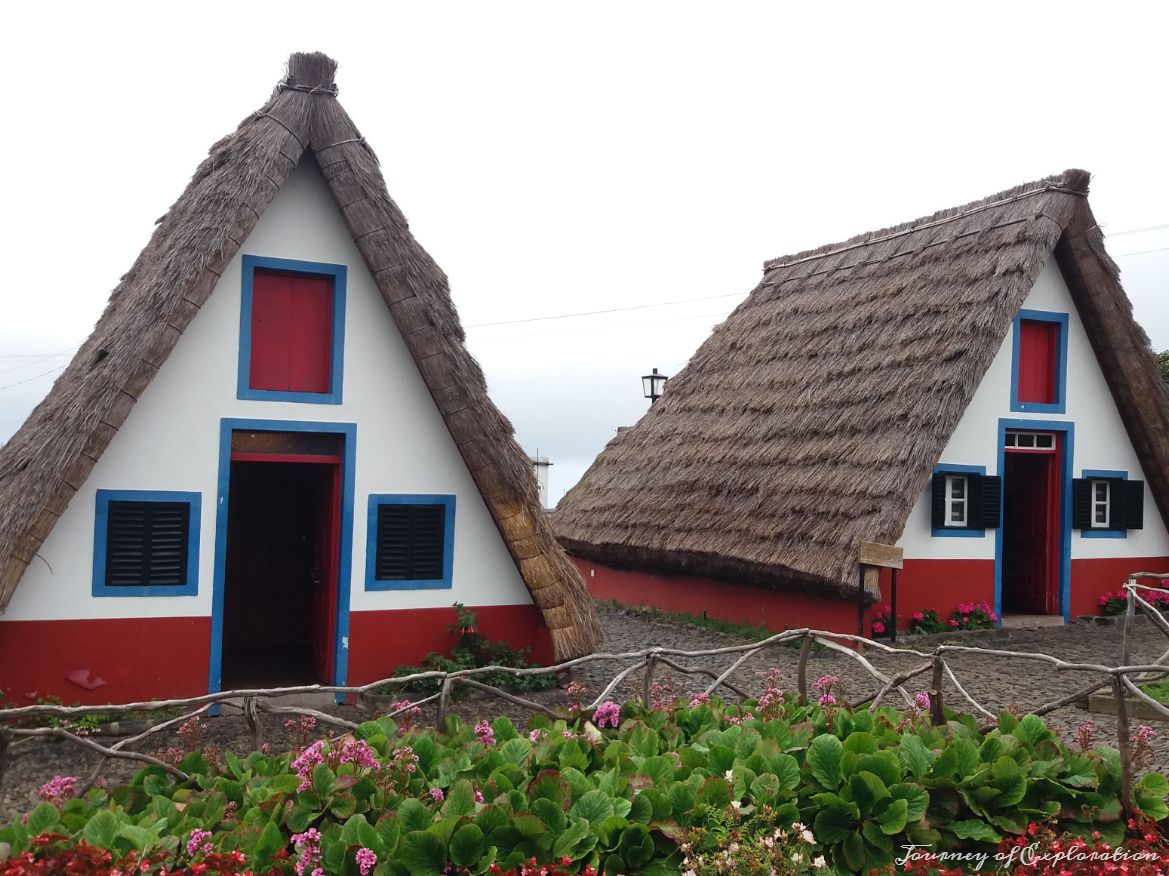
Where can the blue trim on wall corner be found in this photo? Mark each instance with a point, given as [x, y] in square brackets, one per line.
[1061, 377]
[1111, 475]
[946, 468]
[101, 522]
[448, 548]
[337, 365]
[1065, 507]
[345, 553]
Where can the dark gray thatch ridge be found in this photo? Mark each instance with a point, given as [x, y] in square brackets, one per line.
[44, 463]
[811, 418]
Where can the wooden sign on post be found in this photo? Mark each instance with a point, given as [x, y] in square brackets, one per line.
[885, 556]
[871, 558]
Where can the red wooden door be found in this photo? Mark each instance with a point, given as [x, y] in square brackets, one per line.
[1031, 532]
[325, 571]
[1038, 361]
[292, 332]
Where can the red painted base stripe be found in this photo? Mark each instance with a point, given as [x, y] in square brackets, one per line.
[104, 661]
[381, 641]
[937, 584]
[1090, 578]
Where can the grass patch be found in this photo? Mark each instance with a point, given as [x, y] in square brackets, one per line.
[1158, 690]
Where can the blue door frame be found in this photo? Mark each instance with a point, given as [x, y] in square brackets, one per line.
[345, 553]
[1068, 430]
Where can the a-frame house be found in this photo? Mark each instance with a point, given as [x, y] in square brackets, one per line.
[274, 459]
[970, 386]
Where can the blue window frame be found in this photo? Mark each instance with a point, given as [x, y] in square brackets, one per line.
[1059, 406]
[966, 528]
[1107, 475]
[338, 274]
[406, 533]
[156, 531]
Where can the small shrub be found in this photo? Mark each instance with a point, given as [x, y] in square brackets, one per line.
[1113, 603]
[884, 623]
[973, 616]
[926, 620]
[472, 651]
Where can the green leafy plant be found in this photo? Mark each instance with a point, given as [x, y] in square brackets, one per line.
[973, 616]
[630, 789]
[926, 620]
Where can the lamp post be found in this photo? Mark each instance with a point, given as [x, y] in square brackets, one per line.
[652, 385]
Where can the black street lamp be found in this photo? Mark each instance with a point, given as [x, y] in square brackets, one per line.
[652, 385]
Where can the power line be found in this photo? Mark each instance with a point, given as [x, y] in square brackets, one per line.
[1134, 230]
[610, 310]
[599, 328]
[1142, 252]
[34, 377]
[42, 358]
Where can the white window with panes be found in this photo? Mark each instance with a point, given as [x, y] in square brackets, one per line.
[1101, 501]
[957, 500]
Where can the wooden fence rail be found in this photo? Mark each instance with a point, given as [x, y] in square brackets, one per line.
[252, 702]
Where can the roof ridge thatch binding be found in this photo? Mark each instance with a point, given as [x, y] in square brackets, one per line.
[52, 454]
[1071, 182]
[811, 418]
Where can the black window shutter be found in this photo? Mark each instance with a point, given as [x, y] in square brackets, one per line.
[393, 542]
[410, 542]
[146, 543]
[988, 501]
[1132, 507]
[1081, 503]
[938, 499]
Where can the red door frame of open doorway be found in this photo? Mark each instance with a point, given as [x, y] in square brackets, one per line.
[1039, 516]
[338, 618]
[324, 627]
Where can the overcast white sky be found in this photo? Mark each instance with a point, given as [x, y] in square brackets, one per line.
[561, 158]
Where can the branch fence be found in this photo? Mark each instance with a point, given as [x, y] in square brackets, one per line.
[1123, 681]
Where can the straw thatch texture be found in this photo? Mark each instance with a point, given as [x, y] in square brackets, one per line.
[52, 454]
[811, 418]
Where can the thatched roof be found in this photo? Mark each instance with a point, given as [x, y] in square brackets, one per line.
[50, 457]
[811, 418]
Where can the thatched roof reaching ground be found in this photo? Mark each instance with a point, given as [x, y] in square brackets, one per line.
[811, 418]
[50, 457]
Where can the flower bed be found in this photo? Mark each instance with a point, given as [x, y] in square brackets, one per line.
[694, 784]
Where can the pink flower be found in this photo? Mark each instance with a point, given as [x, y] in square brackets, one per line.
[535, 736]
[406, 759]
[436, 794]
[485, 733]
[826, 682]
[878, 627]
[308, 847]
[827, 700]
[360, 755]
[58, 789]
[953, 622]
[917, 615]
[921, 699]
[303, 765]
[366, 860]
[608, 714]
[699, 699]
[478, 796]
[197, 842]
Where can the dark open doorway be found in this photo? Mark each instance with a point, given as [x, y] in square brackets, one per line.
[1031, 517]
[280, 588]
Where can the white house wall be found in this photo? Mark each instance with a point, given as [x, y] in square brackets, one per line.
[1101, 441]
[171, 439]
